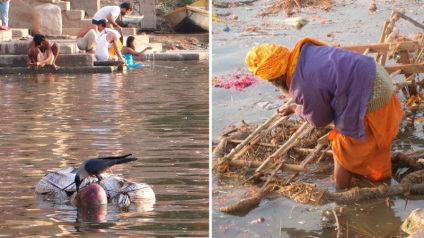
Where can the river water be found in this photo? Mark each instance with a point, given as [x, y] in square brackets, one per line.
[159, 114]
[345, 23]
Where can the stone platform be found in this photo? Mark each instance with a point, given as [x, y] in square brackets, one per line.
[14, 44]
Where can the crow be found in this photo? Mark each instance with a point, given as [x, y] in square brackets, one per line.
[98, 166]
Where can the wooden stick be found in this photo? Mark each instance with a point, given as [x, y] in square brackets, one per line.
[382, 37]
[297, 149]
[255, 164]
[270, 177]
[287, 145]
[383, 47]
[251, 136]
[415, 23]
[395, 73]
[259, 137]
[406, 68]
[337, 223]
[312, 155]
[366, 51]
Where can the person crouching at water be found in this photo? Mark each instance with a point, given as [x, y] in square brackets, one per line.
[108, 44]
[87, 38]
[41, 52]
[332, 84]
[129, 51]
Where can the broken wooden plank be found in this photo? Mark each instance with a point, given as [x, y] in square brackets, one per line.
[406, 68]
[415, 23]
[383, 47]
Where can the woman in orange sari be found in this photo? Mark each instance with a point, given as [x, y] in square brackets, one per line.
[330, 84]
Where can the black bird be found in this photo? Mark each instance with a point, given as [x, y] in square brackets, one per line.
[97, 166]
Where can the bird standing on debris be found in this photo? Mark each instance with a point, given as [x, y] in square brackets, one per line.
[97, 166]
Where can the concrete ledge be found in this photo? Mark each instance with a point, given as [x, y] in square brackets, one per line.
[64, 6]
[176, 56]
[73, 31]
[204, 37]
[108, 63]
[73, 15]
[64, 70]
[5, 35]
[20, 47]
[63, 60]
[20, 32]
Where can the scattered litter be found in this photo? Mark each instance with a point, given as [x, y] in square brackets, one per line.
[239, 80]
[302, 222]
[270, 105]
[297, 22]
[258, 220]
[226, 29]
[372, 8]
[215, 18]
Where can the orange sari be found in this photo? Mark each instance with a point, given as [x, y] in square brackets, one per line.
[113, 50]
[372, 157]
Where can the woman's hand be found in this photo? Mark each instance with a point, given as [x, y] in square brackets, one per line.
[286, 111]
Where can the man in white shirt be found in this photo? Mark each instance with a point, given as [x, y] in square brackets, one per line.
[108, 44]
[110, 14]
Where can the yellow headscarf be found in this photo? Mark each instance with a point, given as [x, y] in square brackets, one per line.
[270, 61]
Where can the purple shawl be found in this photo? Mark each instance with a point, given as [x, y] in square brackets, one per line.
[333, 84]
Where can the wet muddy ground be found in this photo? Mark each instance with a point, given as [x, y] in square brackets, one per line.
[345, 23]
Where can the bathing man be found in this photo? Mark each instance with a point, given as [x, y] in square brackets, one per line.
[87, 38]
[41, 52]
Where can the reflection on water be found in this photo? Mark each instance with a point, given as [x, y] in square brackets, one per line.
[159, 114]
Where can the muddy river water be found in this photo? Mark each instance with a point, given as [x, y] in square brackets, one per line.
[346, 23]
[159, 114]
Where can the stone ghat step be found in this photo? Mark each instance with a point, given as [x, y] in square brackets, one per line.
[67, 46]
[62, 70]
[73, 31]
[20, 47]
[63, 60]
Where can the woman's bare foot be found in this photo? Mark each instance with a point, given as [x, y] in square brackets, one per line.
[55, 66]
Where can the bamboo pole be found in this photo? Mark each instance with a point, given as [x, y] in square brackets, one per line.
[406, 68]
[366, 51]
[287, 145]
[251, 136]
[255, 164]
[415, 23]
[382, 37]
[255, 140]
[383, 47]
[297, 149]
